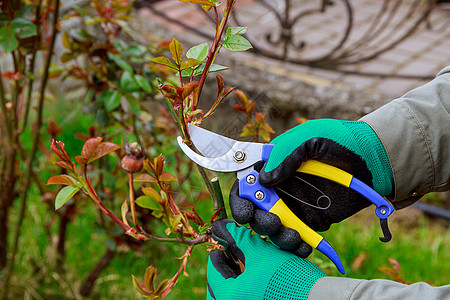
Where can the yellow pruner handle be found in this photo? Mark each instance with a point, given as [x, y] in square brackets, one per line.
[323, 170]
[289, 219]
[312, 238]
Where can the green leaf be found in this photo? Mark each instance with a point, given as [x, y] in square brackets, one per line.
[66, 57]
[133, 104]
[120, 62]
[189, 63]
[127, 83]
[23, 28]
[151, 192]
[112, 100]
[187, 72]
[24, 11]
[199, 52]
[199, 70]
[235, 31]
[162, 60]
[176, 49]
[80, 11]
[140, 287]
[8, 39]
[65, 195]
[143, 83]
[176, 220]
[124, 211]
[236, 43]
[135, 50]
[148, 202]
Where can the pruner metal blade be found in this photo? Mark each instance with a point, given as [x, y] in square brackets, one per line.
[221, 154]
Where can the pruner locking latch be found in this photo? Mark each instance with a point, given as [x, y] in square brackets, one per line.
[387, 234]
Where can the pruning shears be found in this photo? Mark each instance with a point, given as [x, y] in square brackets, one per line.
[222, 154]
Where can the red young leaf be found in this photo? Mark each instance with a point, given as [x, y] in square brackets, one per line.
[90, 146]
[64, 165]
[239, 107]
[11, 75]
[62, 179]
[395, 265]
[241, 97]
[188, 88]
[228, 91]
[180, 91]
[145, 178]
[260, 117]
[58, 148]
[177, 103]
[220, 84]
[215, 216]
[172, 96]
[194, 217]
[169, 89]
[158, 164]
[103, 149]
[163, 46]
[167, 177]
[148, 165]
[80, 160]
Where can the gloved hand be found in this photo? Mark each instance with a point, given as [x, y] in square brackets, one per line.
[349, 145]
[270, 273]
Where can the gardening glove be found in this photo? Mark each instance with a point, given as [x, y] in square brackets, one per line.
[269, 273]
[349, 145]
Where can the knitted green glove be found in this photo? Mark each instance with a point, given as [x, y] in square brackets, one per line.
[350, 145]
[269, 272]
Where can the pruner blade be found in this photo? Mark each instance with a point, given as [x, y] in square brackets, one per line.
[225, 155]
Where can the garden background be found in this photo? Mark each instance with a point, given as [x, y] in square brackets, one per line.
[87, 74]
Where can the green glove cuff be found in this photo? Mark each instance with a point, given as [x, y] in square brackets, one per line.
[356, 136]
[269, 274]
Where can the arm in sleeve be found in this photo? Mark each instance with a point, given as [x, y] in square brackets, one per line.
[415, 130]
[378, 289]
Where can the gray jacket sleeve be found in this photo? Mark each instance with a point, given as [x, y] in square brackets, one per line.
[338, 288]
[415, 130]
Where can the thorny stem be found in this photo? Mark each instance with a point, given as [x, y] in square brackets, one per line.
[197, 240]
[218, 192]
[132, 202]
[89, 191]
[6, 122]
[174, 279]
[34, 147]
[208, 185]
[213, 51]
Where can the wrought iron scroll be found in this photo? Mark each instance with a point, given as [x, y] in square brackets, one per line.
[283, 39]
[386, 30]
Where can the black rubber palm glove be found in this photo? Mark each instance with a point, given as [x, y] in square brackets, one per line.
[351, 146]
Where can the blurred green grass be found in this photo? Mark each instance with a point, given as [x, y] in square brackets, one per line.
[422, 252]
